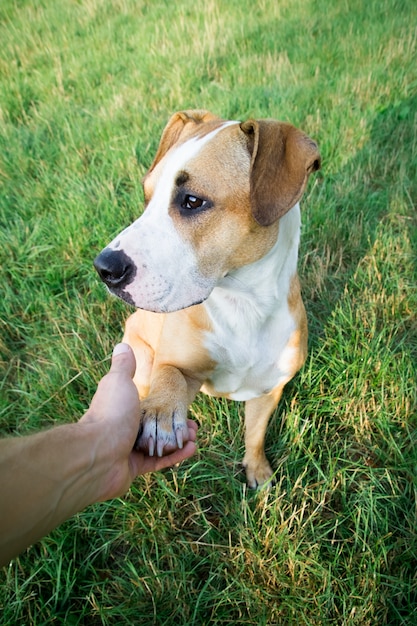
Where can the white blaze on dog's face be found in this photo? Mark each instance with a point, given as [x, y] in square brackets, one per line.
[196, 220]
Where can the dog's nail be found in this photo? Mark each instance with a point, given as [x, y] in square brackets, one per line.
[180, 438]
[151, 446]
[159, 447]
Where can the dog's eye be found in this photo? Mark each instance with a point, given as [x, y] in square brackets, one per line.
[192, 203]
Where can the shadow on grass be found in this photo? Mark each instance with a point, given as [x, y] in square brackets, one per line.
[364, 193]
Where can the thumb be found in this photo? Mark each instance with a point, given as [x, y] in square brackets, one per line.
[123, 360]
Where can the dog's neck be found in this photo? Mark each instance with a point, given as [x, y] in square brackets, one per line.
[256, 289]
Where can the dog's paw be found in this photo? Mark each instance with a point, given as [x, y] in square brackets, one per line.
[163, 429]
[258, 473]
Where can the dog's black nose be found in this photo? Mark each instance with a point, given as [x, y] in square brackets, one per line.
[115, 268]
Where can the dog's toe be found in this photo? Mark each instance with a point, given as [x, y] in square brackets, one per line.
[259, 474]
[162, 430]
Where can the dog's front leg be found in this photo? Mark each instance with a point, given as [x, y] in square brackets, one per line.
[164, 411]
[257, 414]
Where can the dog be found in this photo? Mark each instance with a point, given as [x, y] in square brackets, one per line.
[211, 267]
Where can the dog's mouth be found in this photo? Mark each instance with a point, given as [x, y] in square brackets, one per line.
[123, 295]
[160, 307]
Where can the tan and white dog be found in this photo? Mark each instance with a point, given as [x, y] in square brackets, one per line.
[212, 267]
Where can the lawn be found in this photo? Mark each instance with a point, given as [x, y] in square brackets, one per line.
[85, 90]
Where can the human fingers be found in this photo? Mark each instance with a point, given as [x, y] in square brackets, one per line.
[192, 430]
[142, 464]
[177, 456]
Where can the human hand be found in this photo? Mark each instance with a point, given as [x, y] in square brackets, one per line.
[115, 409]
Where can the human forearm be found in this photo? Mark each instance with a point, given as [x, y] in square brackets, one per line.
[46, 478]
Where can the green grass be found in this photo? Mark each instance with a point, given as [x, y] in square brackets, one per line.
[86, 88]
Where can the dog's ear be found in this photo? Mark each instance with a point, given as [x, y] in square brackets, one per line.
[282, 158]
[175, 128]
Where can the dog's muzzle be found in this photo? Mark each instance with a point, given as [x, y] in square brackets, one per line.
[146, 286]
[115, 268]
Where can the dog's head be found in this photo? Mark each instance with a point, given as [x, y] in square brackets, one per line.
[214, 195]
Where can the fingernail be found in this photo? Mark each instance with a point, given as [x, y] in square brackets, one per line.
[120, 348]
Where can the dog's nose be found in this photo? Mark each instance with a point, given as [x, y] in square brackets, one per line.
[115, 268]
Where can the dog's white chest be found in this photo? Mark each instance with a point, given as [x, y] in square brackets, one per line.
[251, 358]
